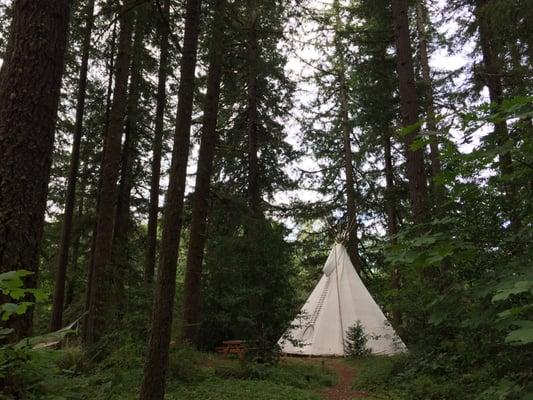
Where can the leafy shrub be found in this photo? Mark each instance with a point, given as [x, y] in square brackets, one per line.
[302, 376]
[28, 374]
[239, 371]
[184, 364]
[219, 389]
[248, 286]
[12, 286]
[296, 375]
[375, 373]
[72, 360]
[356, 340]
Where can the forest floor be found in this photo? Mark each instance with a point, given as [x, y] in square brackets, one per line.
[67, 374]
[346, 376]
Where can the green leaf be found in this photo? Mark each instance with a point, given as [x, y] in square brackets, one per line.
[517, 288]
[520, 336]
[17, 294]
[438, 317]
[9, 307]
[5, 331]
[11, 275]
[515, 311]
[40, 294]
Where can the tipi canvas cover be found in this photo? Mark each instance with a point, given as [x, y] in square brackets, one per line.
[339, 300]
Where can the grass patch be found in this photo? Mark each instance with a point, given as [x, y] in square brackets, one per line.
[289, 373]
[375, 373]
[412, 377]
[69, 374]
[232, 389]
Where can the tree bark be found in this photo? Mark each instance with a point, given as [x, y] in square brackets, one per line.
[421, 20]
[492, 76]
[153, 384]
[392, 217]
[70, 286]
[197, 238]
[108, 190]
[254, 192]
[56, 322]
[30, 81]
[123, 222]
[109, 93]
[408, 102]
[110, 71]
[157, 145]
[351, 208]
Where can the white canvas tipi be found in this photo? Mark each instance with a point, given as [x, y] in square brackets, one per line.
[339, 300]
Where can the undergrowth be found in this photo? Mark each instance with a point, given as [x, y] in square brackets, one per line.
[292, 374]
[423, 377]
[71, 374]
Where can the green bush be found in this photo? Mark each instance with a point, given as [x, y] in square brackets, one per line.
[356, 340]
[127, 355]
[237, 371]
[219, 389]
[184, 364]
[375, 373]
[28, 374]
[303, 376]
[72, 360]
[296, 375]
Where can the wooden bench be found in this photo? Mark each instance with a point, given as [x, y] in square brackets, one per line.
[237, 347]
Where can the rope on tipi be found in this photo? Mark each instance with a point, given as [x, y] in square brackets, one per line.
[319, 305]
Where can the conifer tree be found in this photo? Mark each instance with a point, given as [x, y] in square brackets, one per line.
[268, 107]
[153, 384]
[70, 198]
[30, 80]
[103, 243]
[409, 110]
[157, 144]
[340, 72]
[421, 21]
[492, 78]
[334, 79]
[197, 237]
[254, 196]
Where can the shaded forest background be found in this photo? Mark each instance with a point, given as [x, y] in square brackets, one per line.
[204, 156]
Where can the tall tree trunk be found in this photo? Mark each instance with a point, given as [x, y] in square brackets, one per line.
[64, 246]
[197, 239]
[108, 190]
[392, 217]
[153, 384]
[123, 220]
[157, 145]
[109, 93]
[254, 192]
[111, 72]
[30, 81]
[70, 287]
[390, 200]
[421, 20]
[130, 152]
[347, 144]
[492, 76]
[408, 102]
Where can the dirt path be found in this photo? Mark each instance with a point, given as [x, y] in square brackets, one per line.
[343, 389]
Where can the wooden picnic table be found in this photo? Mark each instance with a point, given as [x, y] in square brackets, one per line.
[237, 347]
